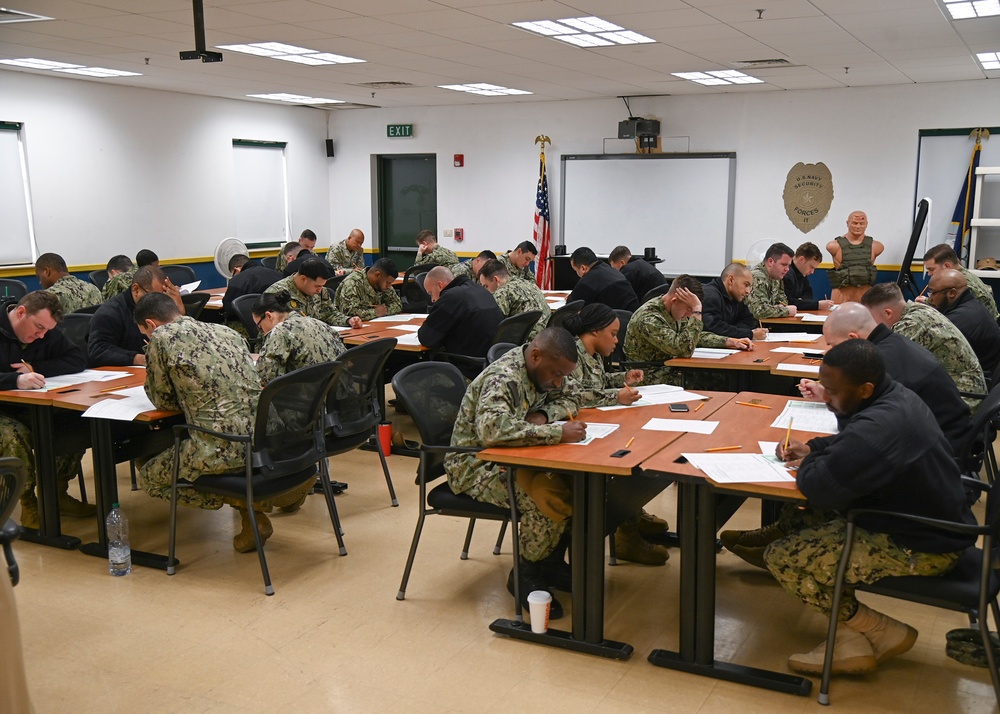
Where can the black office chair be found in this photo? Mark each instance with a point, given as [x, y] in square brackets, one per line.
[976, 454]
[243, 306]
[179, 274]
[89, 310]
[269, 262]
[971, 586]
[353, 412]
[11, 289]
[194, 303]
[413, 294]
[98, 277]
[12, 478]
[499, 350]
[513, 329]
[432, 392]
[618, 354]
[333, 284]
[280, 456]
[76, 327]
[658, 291]
[557, 318]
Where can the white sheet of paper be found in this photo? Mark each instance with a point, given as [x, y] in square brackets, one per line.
[595, 430]
[410, 339]
[739, 468]
[135, 402]
[556, 304]
[70, 380]
[791, 337]
[338, 328]
[406, 328]
[652, 398]
[798, 350]
[687, 425]
[190, 287]
[712, 353]
[809, 317]
[807, 416]
[803, 368]
[401, 317]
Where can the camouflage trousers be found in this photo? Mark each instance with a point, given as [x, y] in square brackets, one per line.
[156, 475]
[538, 534]
[15, 440]
[805, 561]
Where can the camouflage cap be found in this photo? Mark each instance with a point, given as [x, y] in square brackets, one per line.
[965, 645]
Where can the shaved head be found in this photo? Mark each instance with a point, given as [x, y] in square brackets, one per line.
[947, 279]
[737, 269]
[848, 321]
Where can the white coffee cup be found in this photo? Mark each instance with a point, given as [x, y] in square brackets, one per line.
[539, 603]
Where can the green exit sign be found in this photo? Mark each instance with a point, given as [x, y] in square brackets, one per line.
[396, 131]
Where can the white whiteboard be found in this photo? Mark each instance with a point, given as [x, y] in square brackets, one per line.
[680, 203]
[261, 183]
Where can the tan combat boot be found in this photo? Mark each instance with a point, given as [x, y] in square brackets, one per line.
[756, 538]
[852, 654]
[292, 501]
[888, 637]
[243, 542]
[631, 546]
[652, 526]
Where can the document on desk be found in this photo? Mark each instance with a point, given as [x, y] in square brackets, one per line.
[798, 350]
[594, 431]
[406, 328]
[791, 337]
[803, 368]
[556, 304]
[135, 402]
[809, 317]
[658, 394]
[70, 380]
[338, 328]
[187, 288]
[807, 416]
[712, 353]
[687, 425]
[410, 339]
[401, 317]
[739, 468]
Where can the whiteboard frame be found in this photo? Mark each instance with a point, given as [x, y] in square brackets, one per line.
[691, 156]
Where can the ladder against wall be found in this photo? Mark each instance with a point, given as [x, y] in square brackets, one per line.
[984, 233]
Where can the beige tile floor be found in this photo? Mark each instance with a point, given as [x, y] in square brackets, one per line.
[334, 638]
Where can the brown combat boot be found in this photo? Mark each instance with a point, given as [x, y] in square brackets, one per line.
[292, 501]
[651, 526]
[243, 542]
[631, 546]
[757, 538]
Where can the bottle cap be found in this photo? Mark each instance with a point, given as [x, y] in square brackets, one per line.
[114, 505]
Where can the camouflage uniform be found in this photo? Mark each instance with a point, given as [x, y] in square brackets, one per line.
[654, 335]
[342, 258]
[591, 385]
[75, 294]
[926, 326]
[982, 291]
[464, 268]
[15, 440]
[294, 343]
[525, 274]
[493, 414]
[517, 296]
[118, 284]
[439, 256]
[318, 306]
[205, 371]
[767, 297]
[356, 296]
[281, 262]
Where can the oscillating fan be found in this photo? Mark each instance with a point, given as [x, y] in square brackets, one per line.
[757, 250]
[224, 253]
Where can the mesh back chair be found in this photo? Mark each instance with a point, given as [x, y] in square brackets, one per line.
[432, 392]
[557, 318]
[333, 284]
[269, 262]
[12, 477]
[655, 292]
[414, 296]
[243, 307]
[98, 277]
[194, 303]
[89, 310]
[513, 329]
[618, 354]
[179, 274]
[970, 587]
[280, 456]
[76, 327]
[11, 289]
[499, 350]
[977, 453]
[353, 410]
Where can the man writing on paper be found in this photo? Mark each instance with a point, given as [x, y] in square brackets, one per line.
[796, 283]
[767, 296]
[518, 261]
[725, 309]
[514, 296]
[369, 294]
[943, 256]
[949, 293]
[889, 455]
[348, 254]
[31, 348]
[470, 268]
[512, 403]
[671, 326]
[310, 297]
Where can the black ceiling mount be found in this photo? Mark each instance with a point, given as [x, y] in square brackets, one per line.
[199, 37]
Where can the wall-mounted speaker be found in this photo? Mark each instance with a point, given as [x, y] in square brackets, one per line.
[329, 148]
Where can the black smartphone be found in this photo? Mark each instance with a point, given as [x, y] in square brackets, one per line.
[679, 408]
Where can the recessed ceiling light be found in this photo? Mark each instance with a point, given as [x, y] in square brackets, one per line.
[290, 53]
[296, 98]
[485, 90]
[989, 60]
[33, 63]
[718, 77]
[964, 9]
[586, 32]
[99, 72]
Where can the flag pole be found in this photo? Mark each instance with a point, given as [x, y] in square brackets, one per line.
[542, 229]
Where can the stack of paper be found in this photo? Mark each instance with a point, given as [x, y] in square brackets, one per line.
[712, 353]
[402, 317]
[809, 317]
[798, 350]
[790, 337]
[410, 339]
[135, 402]
[87, 375]
[807, 416]
[594, 431]
[739, 468]
[658, 394]
[685, 425]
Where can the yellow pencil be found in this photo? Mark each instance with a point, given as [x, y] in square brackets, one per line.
[699, 406]
[630, 442]
[629, 388]
[751, 404]
[788, 434]
[30, 368]
[724, 448]
[924, 290]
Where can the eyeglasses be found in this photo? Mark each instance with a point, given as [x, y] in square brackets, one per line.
[257, 322]
[942, 290]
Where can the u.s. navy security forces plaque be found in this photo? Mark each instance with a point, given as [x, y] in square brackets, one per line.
[808, 194]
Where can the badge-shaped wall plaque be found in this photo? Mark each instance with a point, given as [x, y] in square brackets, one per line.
[808, 195]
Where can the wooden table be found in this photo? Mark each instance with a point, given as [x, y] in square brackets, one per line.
[215, 302]
[590, 466]
[696, 504]
[796, 324]
[802, 365]
[378, 330]
[742, 365]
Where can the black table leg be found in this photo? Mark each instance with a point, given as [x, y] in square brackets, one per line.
[587, 558]
[50, 528]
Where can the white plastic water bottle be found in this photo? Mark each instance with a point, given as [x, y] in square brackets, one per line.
[119, 552]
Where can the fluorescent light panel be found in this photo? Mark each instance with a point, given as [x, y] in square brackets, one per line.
[290, 53]
[99, 72]
[586, 32]
[35, 63]
[718, 77]
[966, 9]
[296, 98]
[482, 89]
[989, 60]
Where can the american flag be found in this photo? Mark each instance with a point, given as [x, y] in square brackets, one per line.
[542, 236]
